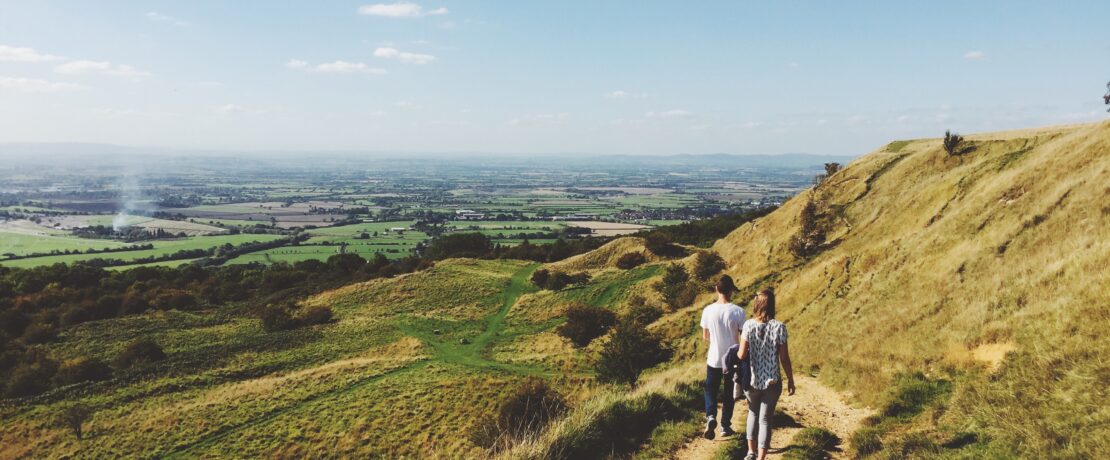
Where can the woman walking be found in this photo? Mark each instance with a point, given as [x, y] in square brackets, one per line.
[763, 340]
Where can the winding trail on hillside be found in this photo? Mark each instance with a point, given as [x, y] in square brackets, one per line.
[814, 405]
[474, 355]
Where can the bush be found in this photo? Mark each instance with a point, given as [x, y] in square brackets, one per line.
[558, 280]
[707, 264]
[277, 318]
[867, 441]
[13, 322]
[660, 244]
[631, 350]
[642, 314]
[811, 234]
[30, 378]
[473, 245]
[316, 315]
[914, 445]
[525, 412]
[813, 442]
[675, 287]
[952, 143]
[39, 333]
[539, 277]
[139, 353]
[82, 370]
[910, 393]
[631, 260]
[586, 323]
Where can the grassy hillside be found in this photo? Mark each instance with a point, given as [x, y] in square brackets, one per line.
[409, 368]
[941, 265]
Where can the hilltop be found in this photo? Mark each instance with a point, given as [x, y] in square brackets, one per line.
[962, 299]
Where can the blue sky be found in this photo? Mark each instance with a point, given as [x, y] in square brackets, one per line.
[643, 77]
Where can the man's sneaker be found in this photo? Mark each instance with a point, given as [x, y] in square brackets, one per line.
[727, 432]
[710, 428]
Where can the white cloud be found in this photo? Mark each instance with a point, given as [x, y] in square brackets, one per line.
[677, 113]
[19, 54]
[974, 55]
[34, 85]
[408, 58]
[235, 109]
[399, 10]
[102, 68]
[335, 67]
[159, 17]
[622, 94]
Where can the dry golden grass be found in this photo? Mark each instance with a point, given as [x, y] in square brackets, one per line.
[930, 253]
[604, 257]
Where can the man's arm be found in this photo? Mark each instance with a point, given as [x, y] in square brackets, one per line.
[705, 333]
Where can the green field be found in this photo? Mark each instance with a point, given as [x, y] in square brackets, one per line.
[24, 244]
[161, 248]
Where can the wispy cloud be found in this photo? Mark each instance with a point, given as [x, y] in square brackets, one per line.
[676, 113]
[159, 17]
[21, 54]
[622, 94]
[34, 85]
[974, 55]
[335, 67]
[235, 109]
[399, 10]
[408, 58]
[100, 68]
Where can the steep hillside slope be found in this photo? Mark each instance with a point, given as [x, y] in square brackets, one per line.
[942, 264]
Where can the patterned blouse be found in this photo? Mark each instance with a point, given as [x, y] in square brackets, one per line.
[764, 340]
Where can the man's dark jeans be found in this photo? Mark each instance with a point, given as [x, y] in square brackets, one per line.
[713, 381]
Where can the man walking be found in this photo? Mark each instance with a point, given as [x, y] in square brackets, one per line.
[721, 322]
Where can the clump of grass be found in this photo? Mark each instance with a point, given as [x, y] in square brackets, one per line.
[667, 438]
[817, 437]
[867, 441]
[910, 394]
[735, 449]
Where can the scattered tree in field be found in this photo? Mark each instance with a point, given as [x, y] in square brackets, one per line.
[831, 168]
[586, 323]
[316, 315]
[707, 264]
[539, 277]
[73, 417]
[674, 286]
[277, 318]
[631, 349]
[953, 144]
[554, 281]
[640, 313]
[810, 235]
[473, 245]
[141, 352]
[523, 414]
[631, 260]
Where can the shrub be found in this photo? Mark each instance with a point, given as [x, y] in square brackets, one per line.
[630, 350]
[810, 235]
[559, 280]
[539, 277]
[707, 264]
[911, 393]
[13, 322]
[642, 314]
[525, 412]
[631, 260]
[660, 244]
[473, 245]
[73, 417]
[30, 378]
[867, 441]
[82, 370]
[316, 315]
[831, 168]
[277, 318]
[914, 445]
[586, 323]
[674, 281]
[39, 333]
[139, 353]
[952, 143]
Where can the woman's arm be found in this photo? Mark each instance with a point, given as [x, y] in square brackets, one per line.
[784, 356]
[743, 352]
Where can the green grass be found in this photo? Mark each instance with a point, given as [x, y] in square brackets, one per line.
[161, 248]
[24, 244]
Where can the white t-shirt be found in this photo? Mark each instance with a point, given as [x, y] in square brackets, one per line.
[724, 321]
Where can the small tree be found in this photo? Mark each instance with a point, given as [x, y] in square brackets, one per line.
[539, 277]
[831, 168]
[277, 318]
[673, 283]
[73, 417]
[586, 323]
[630, 350]
[810, 235]
[707, 264]
[953, 142]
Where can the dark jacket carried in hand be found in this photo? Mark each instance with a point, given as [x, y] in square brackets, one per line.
[740, 369]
